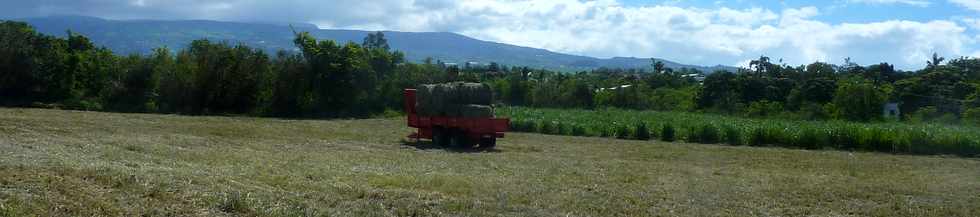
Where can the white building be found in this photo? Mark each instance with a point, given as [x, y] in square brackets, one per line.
[891, 110]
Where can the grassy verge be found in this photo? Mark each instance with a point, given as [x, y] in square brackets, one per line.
[66, 163]
[923, 139]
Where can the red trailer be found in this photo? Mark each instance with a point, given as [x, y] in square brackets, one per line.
[456, 131]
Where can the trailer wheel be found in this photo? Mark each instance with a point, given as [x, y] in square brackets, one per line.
[440, 137]
[488, 142]
[461, 140]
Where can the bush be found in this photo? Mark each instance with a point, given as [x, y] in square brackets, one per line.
[564, 129]
[885, 141]
[869, 140]
[755, 137]
[958, 145]
[693, 135]
[515, 125]
[642, 131]
[708, 134]
[578, 130]
[623, 132]
[522, 125]
[539, 126]
[733, 136]
[859, 100]
[391, 113]
[919, 142]
[972, 116]
[667, 133]
[812, 111]
[759, 137]
[88, 105]
[902, 143]
[933, 115]
[923, 114]
[549, 127]
[782, 137]
[809, 139]
[605, 133]
[844, 138]
[764, 108]
[924, 139]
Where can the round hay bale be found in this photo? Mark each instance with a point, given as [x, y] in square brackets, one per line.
[423, 100]
[476, 111]
[482, 95]
[475, 93]
[455, 99]
[453, 110]
[445, 96]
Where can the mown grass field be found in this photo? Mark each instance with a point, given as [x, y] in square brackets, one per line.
[68, 163]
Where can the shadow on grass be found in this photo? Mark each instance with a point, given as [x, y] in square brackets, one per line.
[427, 145]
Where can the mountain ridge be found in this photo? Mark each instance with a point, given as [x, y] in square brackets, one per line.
[141, 36]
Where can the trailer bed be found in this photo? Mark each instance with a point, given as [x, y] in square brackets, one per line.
[481, 129]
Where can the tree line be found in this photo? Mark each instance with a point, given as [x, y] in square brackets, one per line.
[943, 91]
[325, 79]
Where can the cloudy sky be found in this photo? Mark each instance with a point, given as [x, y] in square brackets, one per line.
[902, 32]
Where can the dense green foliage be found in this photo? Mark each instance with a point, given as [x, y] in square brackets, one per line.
[142, 36]
[324, 80]
[818, 91]
[712, 129]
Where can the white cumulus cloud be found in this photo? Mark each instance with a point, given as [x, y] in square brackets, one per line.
[919, 3]
[601, 28]
[693, 35]
[968, 4]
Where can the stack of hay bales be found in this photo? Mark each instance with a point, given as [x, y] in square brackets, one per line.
[423, 99]
[456, 99]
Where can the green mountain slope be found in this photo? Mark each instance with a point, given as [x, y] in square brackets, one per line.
[141, 36]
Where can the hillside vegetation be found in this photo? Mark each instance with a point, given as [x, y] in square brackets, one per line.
[68, 163]
[889, 137]
[329, 79]
[130, 37]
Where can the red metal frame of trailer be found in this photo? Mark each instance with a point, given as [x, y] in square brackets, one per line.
[474, 128]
